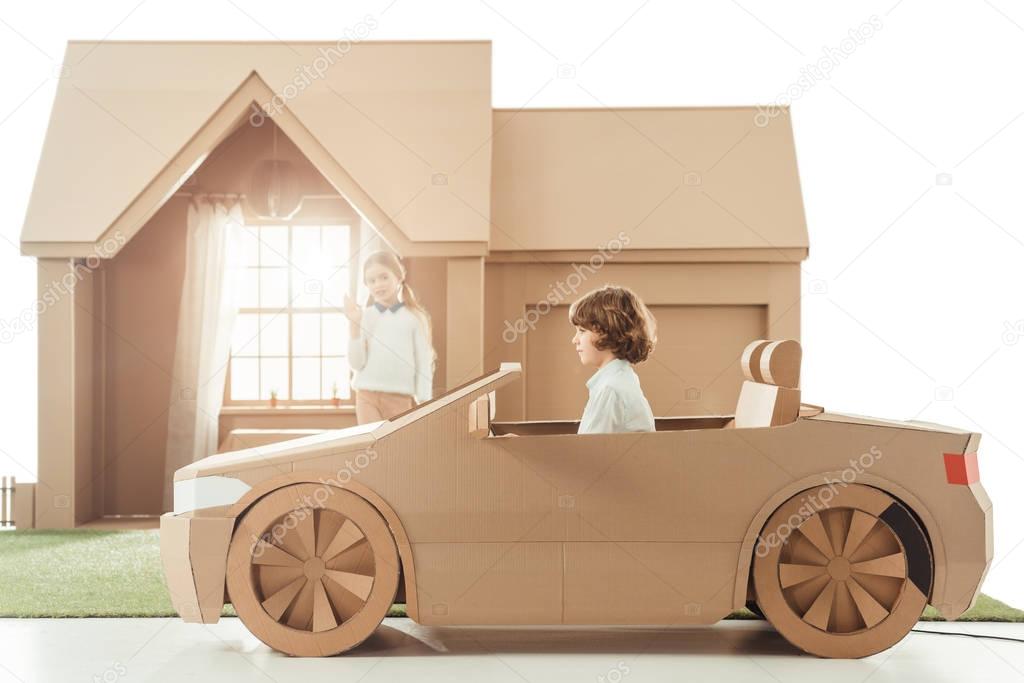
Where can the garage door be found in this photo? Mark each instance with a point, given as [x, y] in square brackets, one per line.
[694, 369]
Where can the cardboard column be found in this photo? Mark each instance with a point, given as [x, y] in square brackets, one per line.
[465, 320]
[55, 494]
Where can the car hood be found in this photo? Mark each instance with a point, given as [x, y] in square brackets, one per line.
[331, 440]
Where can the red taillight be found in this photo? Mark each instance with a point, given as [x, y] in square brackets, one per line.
[961, 468]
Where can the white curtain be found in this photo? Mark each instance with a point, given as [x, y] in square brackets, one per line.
[206, 318]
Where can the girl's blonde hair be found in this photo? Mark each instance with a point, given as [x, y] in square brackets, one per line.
[406, 295]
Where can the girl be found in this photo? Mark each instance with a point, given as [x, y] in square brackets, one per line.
[390, 346]
[613, 330]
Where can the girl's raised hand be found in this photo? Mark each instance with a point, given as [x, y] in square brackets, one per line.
[352, 310]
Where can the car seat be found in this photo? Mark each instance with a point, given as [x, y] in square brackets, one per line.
[770, 395]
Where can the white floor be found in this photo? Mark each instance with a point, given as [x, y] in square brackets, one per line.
[110, 650]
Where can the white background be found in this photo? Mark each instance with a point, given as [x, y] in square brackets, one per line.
[913, 290]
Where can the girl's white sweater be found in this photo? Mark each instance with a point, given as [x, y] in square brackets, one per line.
[392, 353]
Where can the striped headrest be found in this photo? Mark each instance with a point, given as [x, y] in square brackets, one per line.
[772, 362]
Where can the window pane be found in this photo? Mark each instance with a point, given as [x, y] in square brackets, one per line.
[249, 296]
[273, 334]
[335, 248]
[306, 247]
[250, 246]
[336, 373]
[336, 287]
[273, 288]
[244, 379]
[306, 378]
[306, 335]
[274, 245]
[306, 290]
[305, 266]
[243, 336]
[274, 375]
[335, 334]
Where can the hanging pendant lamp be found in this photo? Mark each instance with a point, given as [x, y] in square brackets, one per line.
[274, 191]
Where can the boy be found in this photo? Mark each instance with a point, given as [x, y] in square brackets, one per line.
[614, 329]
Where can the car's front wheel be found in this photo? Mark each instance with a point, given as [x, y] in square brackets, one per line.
[843, 570]
[312, 569]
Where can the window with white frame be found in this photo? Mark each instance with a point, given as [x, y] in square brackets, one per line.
[291, 337]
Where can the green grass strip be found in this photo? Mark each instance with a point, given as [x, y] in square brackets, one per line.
[89, 573]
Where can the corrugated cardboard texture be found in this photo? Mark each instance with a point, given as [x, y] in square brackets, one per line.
[194, 553]
[561, 176]
[24, 506]
[110, 131]
[500, 527]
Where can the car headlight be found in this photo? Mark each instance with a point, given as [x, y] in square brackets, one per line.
[204, 492]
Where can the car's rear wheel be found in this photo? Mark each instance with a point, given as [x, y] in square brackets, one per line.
[843, 571]
[312, 569]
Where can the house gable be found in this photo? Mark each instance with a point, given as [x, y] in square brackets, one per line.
[397, 128]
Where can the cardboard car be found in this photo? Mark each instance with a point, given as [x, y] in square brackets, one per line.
[838, 528]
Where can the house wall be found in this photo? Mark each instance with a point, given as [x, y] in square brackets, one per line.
[707, 313]
[141, 294]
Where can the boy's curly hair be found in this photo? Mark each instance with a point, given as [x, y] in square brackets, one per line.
[624, 324]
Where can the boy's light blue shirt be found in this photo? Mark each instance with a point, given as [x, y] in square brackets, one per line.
[616, 403]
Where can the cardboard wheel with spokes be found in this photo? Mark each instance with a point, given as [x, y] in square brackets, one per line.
[845, 578]
[312, 569]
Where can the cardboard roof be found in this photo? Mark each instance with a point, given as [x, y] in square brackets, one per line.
[669, 178]
[390, 115]
[405, 131]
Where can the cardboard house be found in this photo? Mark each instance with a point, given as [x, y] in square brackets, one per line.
[502, 216]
